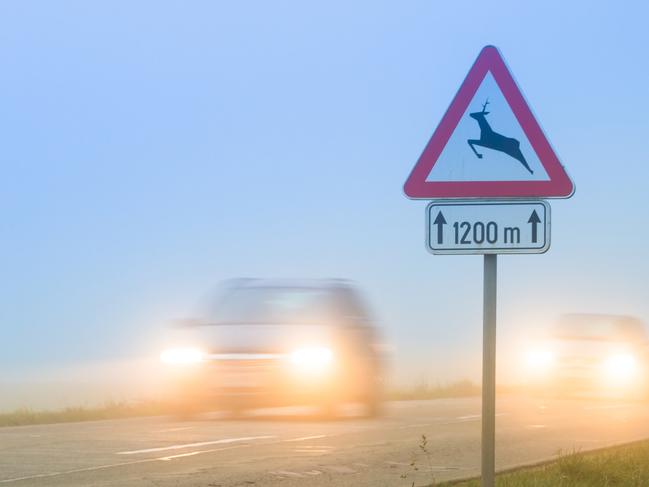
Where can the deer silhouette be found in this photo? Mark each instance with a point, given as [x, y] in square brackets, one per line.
[493, 140]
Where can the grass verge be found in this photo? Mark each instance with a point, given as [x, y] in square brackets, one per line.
[625, 465]
[110, 410]
[117, 410]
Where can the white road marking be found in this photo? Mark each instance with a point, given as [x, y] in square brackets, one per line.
[194, 445]
[322, 451]
[287, 473]
[76, 470]
[111, 465]
[469, 417]
[182, 455]
[199, 452]
[313, 452]
[472, 417]
[304, 438]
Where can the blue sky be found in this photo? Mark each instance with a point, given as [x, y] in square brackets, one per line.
[152, 149]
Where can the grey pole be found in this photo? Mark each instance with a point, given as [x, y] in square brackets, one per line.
[489, 371]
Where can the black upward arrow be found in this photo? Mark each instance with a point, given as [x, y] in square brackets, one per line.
[534, 220]
[440, 221]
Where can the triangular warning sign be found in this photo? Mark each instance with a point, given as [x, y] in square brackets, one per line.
[488, 144]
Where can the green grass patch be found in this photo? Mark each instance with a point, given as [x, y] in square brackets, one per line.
[626, 465]
[110, 410]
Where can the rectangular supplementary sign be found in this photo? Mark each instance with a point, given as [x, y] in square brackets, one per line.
[487, 227]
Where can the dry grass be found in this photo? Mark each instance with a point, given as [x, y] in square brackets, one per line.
[111, 410]
[116, 410]
[626, 465]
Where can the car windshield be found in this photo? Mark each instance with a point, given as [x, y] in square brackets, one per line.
[275, 305]
[593, 327]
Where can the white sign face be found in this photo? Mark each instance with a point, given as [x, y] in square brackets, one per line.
[488, 227]
[488, 144]
[467, 155]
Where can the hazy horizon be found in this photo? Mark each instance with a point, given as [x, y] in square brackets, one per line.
[152, 151]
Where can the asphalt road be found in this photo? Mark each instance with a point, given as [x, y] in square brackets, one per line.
[290, 447]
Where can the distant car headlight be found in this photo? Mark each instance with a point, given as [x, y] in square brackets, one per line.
[312, 358]
[182, 356]
[540, 359]
[621, 366]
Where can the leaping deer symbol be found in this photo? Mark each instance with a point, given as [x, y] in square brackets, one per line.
[494, 140]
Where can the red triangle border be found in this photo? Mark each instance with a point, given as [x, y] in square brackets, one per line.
[559, 184]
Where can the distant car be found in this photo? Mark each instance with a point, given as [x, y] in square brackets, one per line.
[593, 355]
[274, 343]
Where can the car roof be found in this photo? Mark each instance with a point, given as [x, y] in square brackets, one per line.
[330, 283]
[585, 317]
[586, 324]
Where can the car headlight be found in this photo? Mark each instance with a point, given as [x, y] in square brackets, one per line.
[182, 356]
[312, 358]
[620, 366]
[540, 359]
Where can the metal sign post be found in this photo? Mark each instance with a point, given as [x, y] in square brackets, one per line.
[489, 370]
[486, 168]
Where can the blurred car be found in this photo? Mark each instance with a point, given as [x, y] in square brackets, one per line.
[592, 355]
[275, 343]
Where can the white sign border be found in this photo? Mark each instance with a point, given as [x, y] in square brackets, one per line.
[495, 201]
